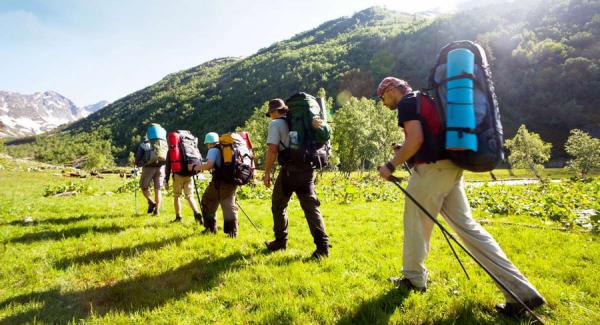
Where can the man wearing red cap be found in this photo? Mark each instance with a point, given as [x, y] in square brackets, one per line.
[298, 177]
[437, 183]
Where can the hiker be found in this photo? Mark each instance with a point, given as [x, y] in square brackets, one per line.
[437, 183]
[151, 156]
[183, 152]
[218, 191]
[294, 176]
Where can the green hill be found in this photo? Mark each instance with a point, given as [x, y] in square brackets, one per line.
[545, 57]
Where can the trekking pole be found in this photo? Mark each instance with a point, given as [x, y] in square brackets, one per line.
[446, 237]
[239, 206]
[135, 171]
[198, 196]
[396, 181]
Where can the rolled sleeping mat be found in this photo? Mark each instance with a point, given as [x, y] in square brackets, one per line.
[155, 131]
[460, 112]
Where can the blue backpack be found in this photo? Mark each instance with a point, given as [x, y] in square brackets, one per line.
[488, 127]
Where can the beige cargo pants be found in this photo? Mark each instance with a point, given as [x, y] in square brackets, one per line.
[439, 186]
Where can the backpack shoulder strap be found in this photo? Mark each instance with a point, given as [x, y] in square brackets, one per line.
[287, 121]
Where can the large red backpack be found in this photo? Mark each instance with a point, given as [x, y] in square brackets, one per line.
[432, 148]
[183, 151]
[174, 152]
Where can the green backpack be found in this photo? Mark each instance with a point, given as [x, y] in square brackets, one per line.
[155, 153]
[308, 146]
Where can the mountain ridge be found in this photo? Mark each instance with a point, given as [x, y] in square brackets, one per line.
[30, 114]
[532, 47]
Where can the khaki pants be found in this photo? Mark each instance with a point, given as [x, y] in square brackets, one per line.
[219, 193]
[152, 175]
[440, 186]
[183, 184]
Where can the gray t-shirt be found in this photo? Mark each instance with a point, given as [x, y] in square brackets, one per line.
[214, 154]
[279, 132]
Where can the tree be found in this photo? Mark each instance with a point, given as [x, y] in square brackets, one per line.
[363, 131]
[131, 159]
[96, 160]
[528, 150]
[257, 126]
[585, 149]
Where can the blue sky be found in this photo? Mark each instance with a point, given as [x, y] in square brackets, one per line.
[92, 50]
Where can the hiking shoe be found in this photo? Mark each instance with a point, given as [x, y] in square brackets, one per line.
[230, 228]
[276, 245]
[319, 254]
[210, 226]
[155, 211]
[177, 219]
[151, 206]
[514, 309]
[209, 231]
[198, 217]
[405, 284]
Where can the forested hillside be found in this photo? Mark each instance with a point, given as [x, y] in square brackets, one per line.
[545, 57]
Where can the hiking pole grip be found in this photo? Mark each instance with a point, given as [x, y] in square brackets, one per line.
[396, 181]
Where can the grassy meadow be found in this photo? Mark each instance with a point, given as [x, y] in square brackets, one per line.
[89, 259]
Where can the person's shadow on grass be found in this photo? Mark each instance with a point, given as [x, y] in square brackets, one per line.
[377, 310]
[130, 296]
[96, 257]
[62, 234]
[60, 221]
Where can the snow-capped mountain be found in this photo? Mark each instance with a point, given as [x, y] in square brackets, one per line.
[23, 115]
[90, 109]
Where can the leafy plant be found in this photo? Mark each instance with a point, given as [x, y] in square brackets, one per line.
[74, 187]
[561, 202]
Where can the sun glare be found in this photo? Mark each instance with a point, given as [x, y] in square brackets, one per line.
[418, 6]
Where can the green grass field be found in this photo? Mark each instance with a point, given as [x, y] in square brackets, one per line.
[89, 259]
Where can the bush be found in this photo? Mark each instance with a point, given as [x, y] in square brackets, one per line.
[68, 187]
[567, 202]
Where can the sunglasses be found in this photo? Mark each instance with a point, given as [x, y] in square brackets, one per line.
[386, 90]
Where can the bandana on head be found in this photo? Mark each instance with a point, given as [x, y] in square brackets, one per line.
[388, 82]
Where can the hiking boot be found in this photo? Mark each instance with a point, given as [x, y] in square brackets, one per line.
[322, 251]
[210, 227]
[514, 309]
[276, 245]
[198, 217]
[155, 212]
[151, 207]
[405, 284]
[319, 254]
[230, 228]
[177, 219]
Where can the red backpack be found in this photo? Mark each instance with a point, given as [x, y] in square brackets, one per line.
[174, 152]
[183, 151]
[432, 148]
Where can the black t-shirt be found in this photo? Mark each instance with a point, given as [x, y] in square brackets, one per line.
[431, 149]
[407, 109]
